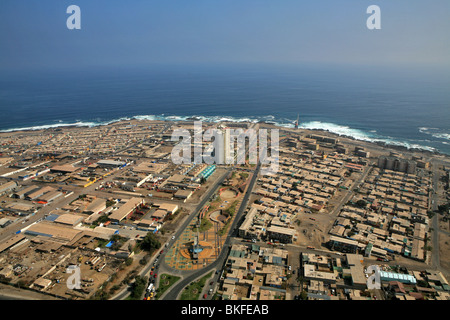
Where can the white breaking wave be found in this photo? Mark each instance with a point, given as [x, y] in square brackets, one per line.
[56, 125]
[338, 129]
[286, 123]
[442, 135]
[361, 135]
[436, 132]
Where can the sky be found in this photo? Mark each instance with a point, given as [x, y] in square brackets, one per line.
[33, 33]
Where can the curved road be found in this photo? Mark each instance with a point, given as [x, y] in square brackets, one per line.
[146, 270]
[190, 276]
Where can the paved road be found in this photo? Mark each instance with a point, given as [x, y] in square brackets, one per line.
[162, 267]
[77, 191]
[189, 276]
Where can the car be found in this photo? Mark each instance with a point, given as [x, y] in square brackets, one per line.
[211, 283]
[205, 296]
[151, 273]
[155, 275]
[379, 259]
[173, 237]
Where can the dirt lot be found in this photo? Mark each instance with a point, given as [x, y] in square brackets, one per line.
[444, 225]
[313, 232]
[13, 293]
[444, 253]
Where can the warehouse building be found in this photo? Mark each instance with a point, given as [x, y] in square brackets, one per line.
[126, 209]
[50, 196]
[7, 187]
[69, 219]
[96, 206]
[24, 192]
[52, 230]
[64, 169]
[110, 163]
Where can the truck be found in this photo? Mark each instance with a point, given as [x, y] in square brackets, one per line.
[150, 287]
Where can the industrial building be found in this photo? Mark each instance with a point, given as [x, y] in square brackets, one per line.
[110, 163]
[126, 209]
[7, 187]
[21, 194]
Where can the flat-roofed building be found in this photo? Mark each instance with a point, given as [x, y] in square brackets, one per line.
[52, 230]
[110, 163]
[21, 194]
[126, 209]
[343, 244]
[417, 250]
[176, 178]
[285, 235]
[50, 196]
[96, 206]
[64, 169]
[21, 207]
[42, 283]
[356, 271]
[169, 207]
[69, 219]
[13, 240]
[4, 222]
[38, 193]
[183, 194]
[159, 215]
[145, 223]
[247, 224]
[7, 187]
[310, 273]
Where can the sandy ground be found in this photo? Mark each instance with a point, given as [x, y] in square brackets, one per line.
[11, 293]
[313, 232]
[444, 253]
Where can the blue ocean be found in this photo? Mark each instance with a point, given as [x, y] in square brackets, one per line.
[395, 105]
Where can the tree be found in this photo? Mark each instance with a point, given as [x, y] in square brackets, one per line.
[444, 208]
[129, 261]
[361, 203]
[150, 242]
[303, 295]
[138, 287]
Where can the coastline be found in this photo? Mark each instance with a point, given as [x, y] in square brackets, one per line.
[379, 146]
